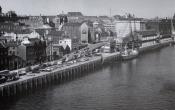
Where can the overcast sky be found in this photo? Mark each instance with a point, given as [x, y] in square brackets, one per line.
[141, 8]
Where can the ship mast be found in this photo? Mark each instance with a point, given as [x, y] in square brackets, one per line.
[172, 29]
[172, 26]
[131, 32]
[130, 26]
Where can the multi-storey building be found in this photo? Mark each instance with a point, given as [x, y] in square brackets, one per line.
[11, 27]
[74, 16]
[33, 21]
[53, 48]
[125, 26]
[78, 31]
[32, 51]
[9, 57]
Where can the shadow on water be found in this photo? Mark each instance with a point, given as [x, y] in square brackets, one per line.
[168, 86]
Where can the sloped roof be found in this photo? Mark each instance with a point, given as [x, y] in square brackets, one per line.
[89, 23]
[12, 44]
[72, 24]
[2, 45]
[147, 33]
[103, 17]
[19, 31]
[75, 14]
[45, 26]
[34, 40]
[31, 41]
[25, 31]
[25, 42]
[56, 33]
[3, 37]
[40, 31]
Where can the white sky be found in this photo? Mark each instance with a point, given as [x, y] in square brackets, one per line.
[141, 8]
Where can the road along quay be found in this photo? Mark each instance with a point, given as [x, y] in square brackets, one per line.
[30, 82]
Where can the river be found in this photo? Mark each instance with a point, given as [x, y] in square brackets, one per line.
[144, 83]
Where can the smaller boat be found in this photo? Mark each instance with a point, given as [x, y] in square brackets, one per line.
[129, 54]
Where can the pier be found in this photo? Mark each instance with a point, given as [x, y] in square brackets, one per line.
[30, 82]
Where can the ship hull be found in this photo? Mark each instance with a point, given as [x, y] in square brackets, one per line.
[129, 57]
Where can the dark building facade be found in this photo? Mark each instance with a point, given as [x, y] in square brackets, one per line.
[4, 59]
[9, 58]
[35, 52]
[162, 26]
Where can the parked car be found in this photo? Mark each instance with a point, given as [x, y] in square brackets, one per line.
[44, 65]
[48, 69]
[13, 76]
[43, 70]
[9, 76]
[97, 54]
[2, 79]
[22, 72]
[59, 62]
[70, 62]
[83, 59]
[36, 69]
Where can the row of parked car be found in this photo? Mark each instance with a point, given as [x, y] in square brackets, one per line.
[6, 75]
[46, 67]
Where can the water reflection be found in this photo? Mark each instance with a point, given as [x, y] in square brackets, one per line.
[145, 83]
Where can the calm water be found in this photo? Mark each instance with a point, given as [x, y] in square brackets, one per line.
[145, 83]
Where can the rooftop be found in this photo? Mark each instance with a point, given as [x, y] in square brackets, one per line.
[45, 26]
[75, 14]
[56, 33]
[12, 44]
[147, 33]
[73, 24]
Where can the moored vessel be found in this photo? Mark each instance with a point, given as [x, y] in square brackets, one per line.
[129, 54]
